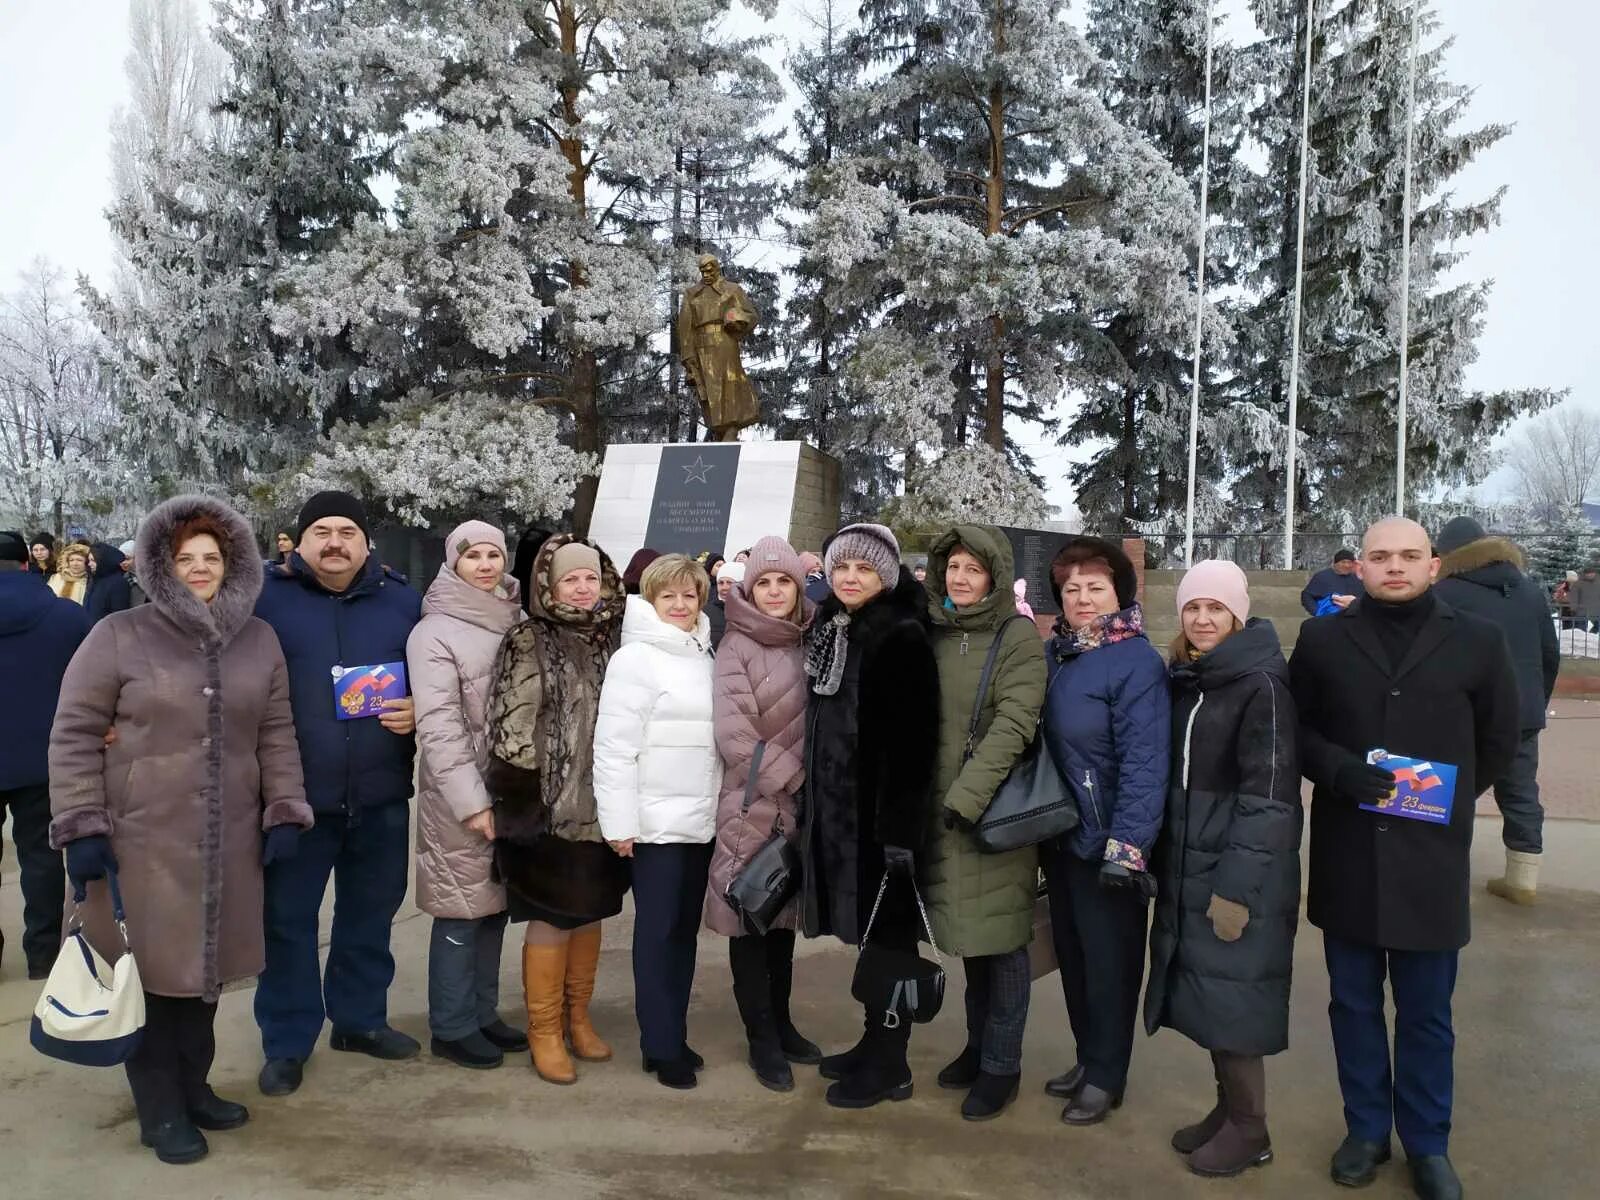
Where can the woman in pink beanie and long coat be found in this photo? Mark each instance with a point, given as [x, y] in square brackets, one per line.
[1228, 862]
[451, 655]
[759, 703]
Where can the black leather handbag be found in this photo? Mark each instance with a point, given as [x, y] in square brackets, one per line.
[1033, 803]
[771, 877]
[900, 984]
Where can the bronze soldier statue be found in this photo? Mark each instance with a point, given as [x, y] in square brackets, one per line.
[716, 316]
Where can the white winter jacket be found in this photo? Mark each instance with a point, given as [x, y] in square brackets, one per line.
[656, 767]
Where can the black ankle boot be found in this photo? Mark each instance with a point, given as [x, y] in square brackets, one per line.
[837, 1066]
[881, 1074]
[177, 1141]
[990, 1095]
[962, 1071]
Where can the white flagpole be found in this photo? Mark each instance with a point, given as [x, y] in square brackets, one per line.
[1200, 298]
[1405, 268]
[1299, 280]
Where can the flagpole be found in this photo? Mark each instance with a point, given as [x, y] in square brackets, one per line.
[1299, 281]
[1405, 268]
[1200, 298]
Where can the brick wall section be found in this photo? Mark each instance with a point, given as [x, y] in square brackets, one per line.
[1134, 549]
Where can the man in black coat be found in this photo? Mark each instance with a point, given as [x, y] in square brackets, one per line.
[1483, 575]
[1401, 671]
[1337, 580]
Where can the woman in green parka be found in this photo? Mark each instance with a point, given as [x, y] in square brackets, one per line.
[981, 905]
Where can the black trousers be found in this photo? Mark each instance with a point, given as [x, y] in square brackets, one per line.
[1099, 935]
[669, 892]
[168, 1072]
[43, 872]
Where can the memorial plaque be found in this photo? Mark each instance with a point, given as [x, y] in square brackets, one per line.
[693, 498]
[1033, 550]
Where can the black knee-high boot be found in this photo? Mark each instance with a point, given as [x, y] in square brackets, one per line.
[752, 990]
[780, 970]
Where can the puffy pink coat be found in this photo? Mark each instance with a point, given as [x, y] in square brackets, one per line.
[450, 656]
[758, 694]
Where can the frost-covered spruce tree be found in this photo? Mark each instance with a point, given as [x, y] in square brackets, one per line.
[1136, 408]
[518, 261]
[1021, 208]
[209, 393]
[1349, 367]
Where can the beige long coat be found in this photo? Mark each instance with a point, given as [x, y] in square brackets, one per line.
[204, 760]
[450, 656]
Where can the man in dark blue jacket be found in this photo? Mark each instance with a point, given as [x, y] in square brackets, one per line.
[334, 607]
[1338, 580]
[1483, 575]
[39, 634]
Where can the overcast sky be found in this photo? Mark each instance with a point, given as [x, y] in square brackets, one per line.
[61, 79]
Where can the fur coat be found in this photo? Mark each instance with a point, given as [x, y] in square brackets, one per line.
[205, 760]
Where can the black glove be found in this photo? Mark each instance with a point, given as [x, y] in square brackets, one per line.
[282, 843]
[954, 820]
[899, 860]
[1115, 875]
[1362, 783]
[88, 858]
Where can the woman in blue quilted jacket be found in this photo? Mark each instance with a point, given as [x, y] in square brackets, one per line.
[1107, 716]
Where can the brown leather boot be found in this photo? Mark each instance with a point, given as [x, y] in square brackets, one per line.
[544, 973]
[583, 960]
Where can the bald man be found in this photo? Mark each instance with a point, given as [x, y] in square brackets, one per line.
[1399, 671]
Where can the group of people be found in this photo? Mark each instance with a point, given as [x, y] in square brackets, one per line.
[578, 737]
[99, 577]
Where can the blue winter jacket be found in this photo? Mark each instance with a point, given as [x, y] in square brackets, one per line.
[349, 765]
[39, 634]
[1108, 715]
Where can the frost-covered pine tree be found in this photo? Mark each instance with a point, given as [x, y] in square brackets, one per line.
[1349, 365]
[516, 262]
[1136, 408]
[1008, 209]
[209, 393]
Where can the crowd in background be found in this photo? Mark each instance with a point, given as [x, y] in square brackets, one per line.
[572, 733]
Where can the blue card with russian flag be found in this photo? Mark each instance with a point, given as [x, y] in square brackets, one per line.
[361, 691]
[1425, 790]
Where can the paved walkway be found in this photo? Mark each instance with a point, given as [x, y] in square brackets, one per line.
[1528, 1099]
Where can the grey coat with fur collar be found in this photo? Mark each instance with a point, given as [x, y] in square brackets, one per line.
[204, 760]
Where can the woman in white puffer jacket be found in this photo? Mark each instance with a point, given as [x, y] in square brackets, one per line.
[656, 778]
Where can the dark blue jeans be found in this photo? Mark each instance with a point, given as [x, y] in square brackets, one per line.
[669, 892]
[1416, 1095]
[43, 871]
[369, 859]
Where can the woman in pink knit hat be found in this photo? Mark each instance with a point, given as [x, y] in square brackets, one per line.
[1228, 862]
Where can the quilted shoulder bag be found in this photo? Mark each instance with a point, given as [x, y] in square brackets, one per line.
[900, 984]
[771, 876]
[91, 1013]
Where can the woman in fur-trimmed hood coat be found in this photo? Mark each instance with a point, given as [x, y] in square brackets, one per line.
[204, 761]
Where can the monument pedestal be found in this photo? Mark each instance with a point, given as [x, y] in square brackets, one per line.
[693, 497]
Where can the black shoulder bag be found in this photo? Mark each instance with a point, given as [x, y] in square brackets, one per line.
[771, 877]
[900, 984]
[1033, 804]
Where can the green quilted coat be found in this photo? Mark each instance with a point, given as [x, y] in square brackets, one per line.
[980, 903]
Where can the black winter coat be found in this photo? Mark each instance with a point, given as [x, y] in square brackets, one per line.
[1232, 829]
[1390, 881]
[109, 590]
[1485, 579]
[870, 756]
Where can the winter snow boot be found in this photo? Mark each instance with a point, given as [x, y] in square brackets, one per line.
[962, 1071]
[1191, 1137]
[1520, 883]
[1241, 1142]
[990, 1096]
[882, 1074]
[583, 961]
[544, 976]
[752, 991]
[837, 1066]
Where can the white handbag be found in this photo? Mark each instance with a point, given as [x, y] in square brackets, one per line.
[91, 1013]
